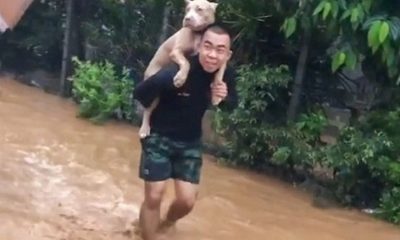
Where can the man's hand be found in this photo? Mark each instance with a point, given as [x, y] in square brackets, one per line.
[219, 90]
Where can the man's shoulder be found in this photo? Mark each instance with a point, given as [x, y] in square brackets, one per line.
[230, 68]
[230, 73]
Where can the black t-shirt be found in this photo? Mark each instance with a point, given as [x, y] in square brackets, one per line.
[179, 112]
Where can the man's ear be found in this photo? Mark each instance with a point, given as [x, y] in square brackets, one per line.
[214, 5]
[229, 55]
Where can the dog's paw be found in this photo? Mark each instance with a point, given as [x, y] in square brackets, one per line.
[180, 79]
[144, 131]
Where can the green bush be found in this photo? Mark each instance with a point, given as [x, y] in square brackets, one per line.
[298, 147]
[387, 121]
[101, 92]
[256, 132]
[311, 125]
[390, 206]
[249, 133]
[360, 162]
[364, 162]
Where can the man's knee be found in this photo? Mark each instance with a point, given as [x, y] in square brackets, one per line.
[186, 202]
[186, 194]
[153, 196]
[153, 201]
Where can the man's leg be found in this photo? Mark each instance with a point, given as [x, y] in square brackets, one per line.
[186, 168]
[186, 194]
[150, 210]
[154, 169]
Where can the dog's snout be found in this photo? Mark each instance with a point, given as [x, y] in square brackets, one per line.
[188, 19]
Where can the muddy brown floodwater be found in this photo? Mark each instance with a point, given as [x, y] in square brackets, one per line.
[64, 178]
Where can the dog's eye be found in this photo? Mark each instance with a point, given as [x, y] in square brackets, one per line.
[199, 9]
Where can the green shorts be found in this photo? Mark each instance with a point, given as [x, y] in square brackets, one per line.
[163, 158]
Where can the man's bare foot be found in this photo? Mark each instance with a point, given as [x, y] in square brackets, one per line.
[136, 228]
[166, 226]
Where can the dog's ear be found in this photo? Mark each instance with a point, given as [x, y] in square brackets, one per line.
[214, 5]
[188, 1]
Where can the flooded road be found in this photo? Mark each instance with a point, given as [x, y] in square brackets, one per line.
[64, 178]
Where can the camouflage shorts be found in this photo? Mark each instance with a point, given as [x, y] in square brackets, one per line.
[163, 158]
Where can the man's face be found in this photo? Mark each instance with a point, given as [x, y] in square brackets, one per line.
[214, 51]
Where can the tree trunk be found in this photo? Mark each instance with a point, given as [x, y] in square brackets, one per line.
[164, 30]
[65, 85]
[299, 77]
[77, 46]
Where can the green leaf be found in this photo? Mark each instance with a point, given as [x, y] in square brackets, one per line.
[345, 15]
[357, 15]
[281, 155]
[361, 13]
[367, 4]
[327, 9]
[338, 59]
[284, 25]
[351, 60]
[354, 15]
[290, 27]
[335, 9]
[319, 8]
[383, 32]
[373, 35]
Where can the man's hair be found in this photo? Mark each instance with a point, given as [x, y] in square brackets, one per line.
[218, 28]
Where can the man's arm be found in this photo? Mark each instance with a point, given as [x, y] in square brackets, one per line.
[231, 100]
[148, 90]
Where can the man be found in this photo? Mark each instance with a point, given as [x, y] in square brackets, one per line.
[173, 148]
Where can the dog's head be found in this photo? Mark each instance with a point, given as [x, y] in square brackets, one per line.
[199, 14]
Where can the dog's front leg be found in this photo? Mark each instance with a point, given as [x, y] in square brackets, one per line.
[183, 44]
[184, 66]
